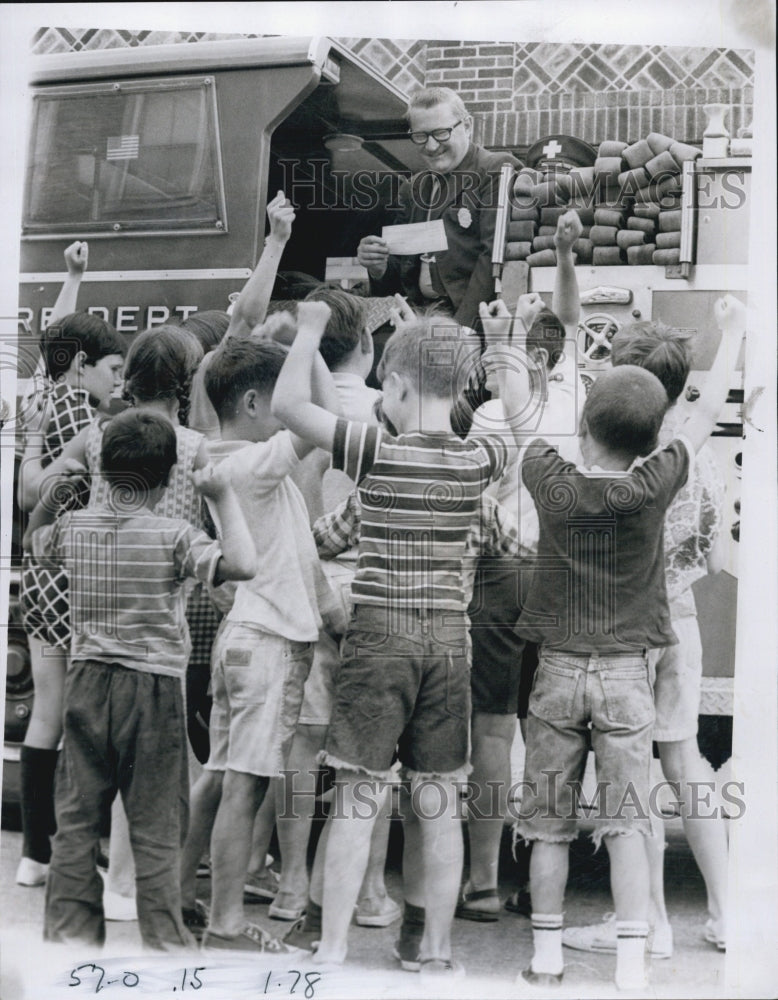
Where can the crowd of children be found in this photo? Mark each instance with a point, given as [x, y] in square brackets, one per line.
[381, 584]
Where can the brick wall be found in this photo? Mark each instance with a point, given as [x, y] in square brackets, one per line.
[519, 93]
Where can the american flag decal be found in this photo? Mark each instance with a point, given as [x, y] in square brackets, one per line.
[122, 147]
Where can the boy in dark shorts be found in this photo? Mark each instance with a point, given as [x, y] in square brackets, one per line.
[404, 678]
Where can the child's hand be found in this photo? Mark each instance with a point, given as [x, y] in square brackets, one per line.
[401, 314]
[568, 230]
[497, 322]
[279, 327]
[61, 488]
[312, 318]
[281, 215]
[76, 257]
[730, 315]
[527, 308]
[73, 469]
[212, 481]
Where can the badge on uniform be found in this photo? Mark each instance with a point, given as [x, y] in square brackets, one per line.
[464, 218]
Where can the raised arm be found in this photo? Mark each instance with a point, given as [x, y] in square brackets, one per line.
[76, 257]
[566, 303]
[251, 307]
[239, 557]
[293, 400]
[731, 315]
[506, 357]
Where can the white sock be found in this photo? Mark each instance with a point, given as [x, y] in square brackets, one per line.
[547, 941]
[631, 938]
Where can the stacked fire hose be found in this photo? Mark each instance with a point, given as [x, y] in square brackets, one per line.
[629, 203]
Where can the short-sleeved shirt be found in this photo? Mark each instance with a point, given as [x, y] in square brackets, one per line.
[599, 577]
[126, 574]
[556, 421]
[418, 495]
[285, 594]
[493, 534]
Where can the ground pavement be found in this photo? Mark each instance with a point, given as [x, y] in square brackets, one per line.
[492, 954]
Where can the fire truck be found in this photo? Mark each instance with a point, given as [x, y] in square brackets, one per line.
[164, 158]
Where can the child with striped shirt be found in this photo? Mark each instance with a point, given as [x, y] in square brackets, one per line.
[405, 675]
[124, 721]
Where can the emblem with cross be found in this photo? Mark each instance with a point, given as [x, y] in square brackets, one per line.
[551, 149]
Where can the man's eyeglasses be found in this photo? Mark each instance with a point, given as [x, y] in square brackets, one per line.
[438, 134]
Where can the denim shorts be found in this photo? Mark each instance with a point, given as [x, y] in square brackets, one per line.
[581, 702]
[403, 687]
[257, 685]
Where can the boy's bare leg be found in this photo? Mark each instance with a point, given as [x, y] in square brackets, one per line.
[492, 739]
[548, 869]
[242, 795]
[413, 860]
[631, 894]
[346, 857]
[437, 803]
[264, 822]
[295, 799]
[707, 835]
[316, 888]
[629, 876]
[203, 803]
[655, 854]
[373, 884]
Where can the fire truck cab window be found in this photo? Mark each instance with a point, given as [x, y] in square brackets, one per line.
[136, 156]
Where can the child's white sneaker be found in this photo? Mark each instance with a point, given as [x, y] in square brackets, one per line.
[31, 873]
[602, 938]
[714, 934]
[119, 908]
[116, 907]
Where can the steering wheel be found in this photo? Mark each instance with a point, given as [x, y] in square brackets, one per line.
[595, 333]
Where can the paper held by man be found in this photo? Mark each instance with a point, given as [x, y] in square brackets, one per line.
[416, 237]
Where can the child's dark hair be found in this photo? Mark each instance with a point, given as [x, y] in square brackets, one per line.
[240, 364]
[345, 325]
[161, 363]
[548, 332]
[659, 349]
[624, 410]
[76, 333]
[208, 326]
[138, 451]
[428, 353]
